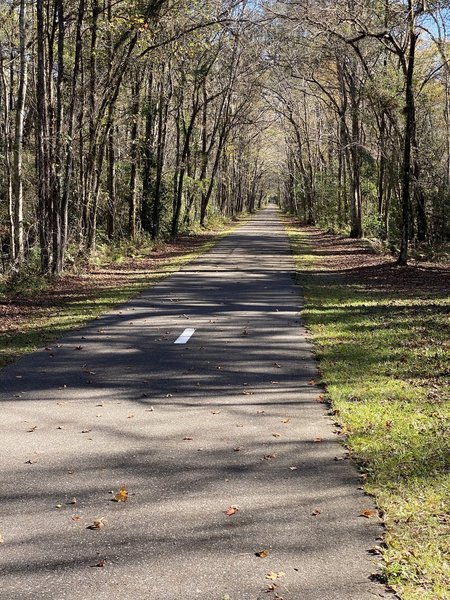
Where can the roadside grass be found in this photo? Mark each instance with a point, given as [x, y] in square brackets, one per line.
[45, 310]
[384, 358]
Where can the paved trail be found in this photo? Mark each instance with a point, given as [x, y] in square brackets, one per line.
[189, 429]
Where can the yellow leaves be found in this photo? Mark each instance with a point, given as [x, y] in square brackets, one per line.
[262, 553]
[273, 576]
[122, 495]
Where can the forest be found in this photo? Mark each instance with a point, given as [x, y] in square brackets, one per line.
[130, 121]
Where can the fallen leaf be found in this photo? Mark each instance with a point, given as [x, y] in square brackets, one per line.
[75, 517]
[97, 524]
[73, 501]
[60, 427]
[276, 435]
[368, 513]
[317, 439]
[237, 449]
[269, 456]
[79, 348]
[58, 505]
[316, 512]
[260, 412]
[273, 575]
[122, 495]
[130, 417]
[285, 420]
[278, 366]
[187, 439]
[101, 563]
[86, 430]
[312, 382]
[262, 553]
[293, 468]
[215, 412]
[232, 510]
[30, 462]
[32, 429]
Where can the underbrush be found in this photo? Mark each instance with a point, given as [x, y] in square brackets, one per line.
[384, 358]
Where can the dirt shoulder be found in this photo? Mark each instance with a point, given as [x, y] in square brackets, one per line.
[34, 318]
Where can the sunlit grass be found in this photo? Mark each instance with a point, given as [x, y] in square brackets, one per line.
[384, 358]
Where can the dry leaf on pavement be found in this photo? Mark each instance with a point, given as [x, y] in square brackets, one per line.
[272, 575]
[368, 513]
[97, 524]
[262, 553]
[232, 510]
[122, 495]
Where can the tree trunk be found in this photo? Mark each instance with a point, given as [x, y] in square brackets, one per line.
[410, 127]
[17, 185]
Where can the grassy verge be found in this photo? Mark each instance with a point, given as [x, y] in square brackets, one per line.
[382, 339]
[42, 312]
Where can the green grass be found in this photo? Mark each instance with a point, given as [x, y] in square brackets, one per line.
[51, 322]
[384, 358]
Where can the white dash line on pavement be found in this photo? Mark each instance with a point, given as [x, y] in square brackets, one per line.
[185, 336]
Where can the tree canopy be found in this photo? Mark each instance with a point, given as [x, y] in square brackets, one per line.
[137, 120]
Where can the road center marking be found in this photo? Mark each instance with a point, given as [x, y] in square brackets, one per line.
[185, 336]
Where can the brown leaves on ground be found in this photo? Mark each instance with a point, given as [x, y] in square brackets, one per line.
[97, 524]
[262, 553]
[16, 312]
[101, 563]
[368, 513]
[232, 510]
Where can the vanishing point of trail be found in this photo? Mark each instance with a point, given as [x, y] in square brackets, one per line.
[227, 417]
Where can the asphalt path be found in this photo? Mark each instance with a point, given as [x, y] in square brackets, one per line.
[231, 418]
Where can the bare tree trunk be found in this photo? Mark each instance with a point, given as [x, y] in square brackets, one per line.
[42, 140]
[17, 177]
[6, 135]
[410, 128]
[111, 177]
[135, 107]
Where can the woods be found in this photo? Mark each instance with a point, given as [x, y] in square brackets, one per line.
[136, 120]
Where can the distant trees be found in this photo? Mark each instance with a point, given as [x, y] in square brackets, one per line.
[116, 118]
[370, 82]
[128, 120]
